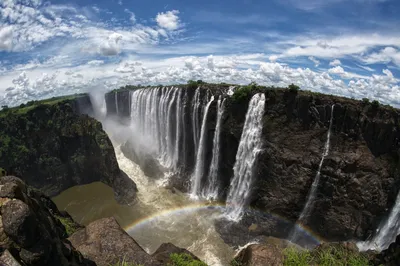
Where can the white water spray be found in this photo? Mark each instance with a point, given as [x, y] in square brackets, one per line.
[246, 156]
[211, 191]
[387, 231]
[199, 168]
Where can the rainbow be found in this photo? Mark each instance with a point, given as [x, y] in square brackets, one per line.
[204, 206]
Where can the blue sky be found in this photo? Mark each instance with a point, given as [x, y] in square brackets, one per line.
[342, 47]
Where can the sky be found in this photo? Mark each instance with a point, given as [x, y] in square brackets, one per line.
[341, 47]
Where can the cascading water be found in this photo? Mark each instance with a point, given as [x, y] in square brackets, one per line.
[199, 168]
[195, 118]
[312, 194]
[211, 190]
[246, 156]
[153, 112]
[387, 231]
[116, 103]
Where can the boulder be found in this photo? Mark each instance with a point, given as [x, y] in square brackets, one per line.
[106, 243]
[260, 255]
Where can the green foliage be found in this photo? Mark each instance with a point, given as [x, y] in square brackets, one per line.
[328, 256]
[365, 101]
[293, 88]
[125, 263]
[184, 259]
[2, 172]
[70, 226]
[235, 263]
[375, 103]
[244, 93]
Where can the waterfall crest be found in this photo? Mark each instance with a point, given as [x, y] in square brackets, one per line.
[199, 168]
[211, 191]
[246, 156]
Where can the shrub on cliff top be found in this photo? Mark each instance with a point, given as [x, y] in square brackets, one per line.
[2, 172]
[184, 259]
[244, 92]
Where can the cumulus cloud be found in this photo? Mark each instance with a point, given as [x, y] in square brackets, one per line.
[335, 62]
[168, 20]
[385, 55]
[111, 47]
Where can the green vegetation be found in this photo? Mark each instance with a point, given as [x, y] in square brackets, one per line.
[365, 101]
[184, 259]
[195, 84]
[235, 263]
[70, 226]
[375, 103]
[125, 263]
[293, 88]
[328, 256]
[2, 172]
[24, 108]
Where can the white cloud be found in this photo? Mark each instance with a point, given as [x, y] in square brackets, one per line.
[314, 60]
[385, 55]
[6, 36]
[168, 20]
[111, 47]
[132, 17]
[335, 62]
[95, 62]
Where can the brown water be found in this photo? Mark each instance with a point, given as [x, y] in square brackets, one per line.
[159, 216]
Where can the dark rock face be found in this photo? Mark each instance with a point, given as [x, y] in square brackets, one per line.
[260, 255]
[54, 147]
[359, 178]
[104, 242]
[30, 230]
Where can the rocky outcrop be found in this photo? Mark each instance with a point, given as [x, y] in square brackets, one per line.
[31, 231]
[260, 255]
[54, 147]
[104, 242]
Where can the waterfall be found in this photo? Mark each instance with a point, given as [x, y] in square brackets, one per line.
[155, 117]
[195, 118]
[199, 168]
[312, 194]
[246, 156]
[211, 191]
[116, 103]
[387, 231]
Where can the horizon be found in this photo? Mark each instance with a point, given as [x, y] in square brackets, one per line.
[347, 48]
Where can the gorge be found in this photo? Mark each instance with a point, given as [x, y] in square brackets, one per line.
[206, 162]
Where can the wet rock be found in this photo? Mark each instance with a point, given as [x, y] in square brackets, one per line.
[389, 256]
[106, 243]
[260, 255]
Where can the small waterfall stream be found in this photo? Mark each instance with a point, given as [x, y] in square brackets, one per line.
[211, 190]
[387, 231]
[246, 156]
[116, 103]
[196, 109]
[199, 168]
[312, 194]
